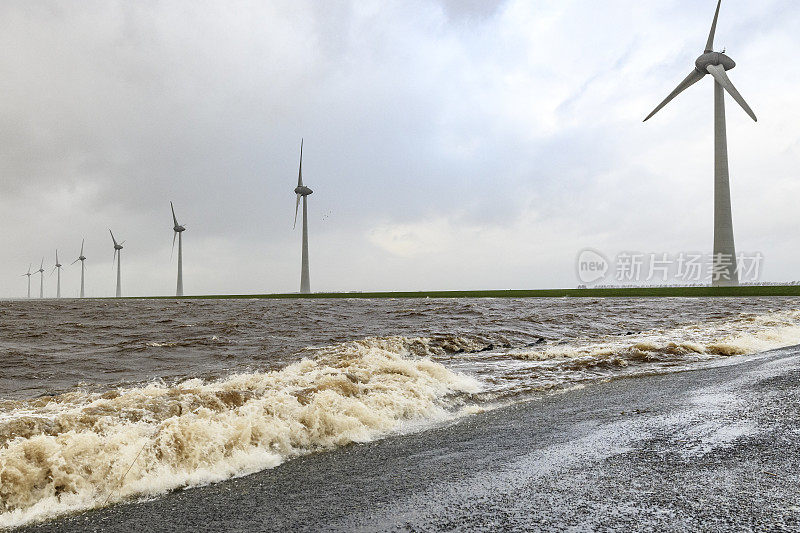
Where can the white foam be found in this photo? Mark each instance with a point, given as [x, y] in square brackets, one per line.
[747, 334]
[72, 452]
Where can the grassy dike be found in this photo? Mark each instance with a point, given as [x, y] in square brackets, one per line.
[632, 292]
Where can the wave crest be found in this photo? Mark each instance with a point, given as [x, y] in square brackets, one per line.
[747, 335]
[71, 452]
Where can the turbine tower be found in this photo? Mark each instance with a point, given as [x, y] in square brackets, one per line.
[118, 259]
[303, 191]
[178, 232]
[724, 272]
[58, 268]
[81, 258]
[29, 274]
[41, 279]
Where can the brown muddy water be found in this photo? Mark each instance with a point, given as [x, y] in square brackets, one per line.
[102, 400]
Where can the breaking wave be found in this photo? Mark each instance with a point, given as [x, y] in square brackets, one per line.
[745, 335]
[82, 450]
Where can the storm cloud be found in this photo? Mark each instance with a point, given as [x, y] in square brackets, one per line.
[450, 144]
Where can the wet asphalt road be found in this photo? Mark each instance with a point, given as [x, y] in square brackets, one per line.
[708, 450]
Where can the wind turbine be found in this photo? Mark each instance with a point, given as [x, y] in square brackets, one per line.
[41, 279]
[178, 232]
[81, 258]
[717, 63]
[29, 274]
[118, 259]
[57, 267]
[303, 191]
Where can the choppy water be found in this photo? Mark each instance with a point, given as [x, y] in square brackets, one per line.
[106, 400]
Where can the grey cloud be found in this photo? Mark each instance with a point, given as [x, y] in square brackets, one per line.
[479, 113]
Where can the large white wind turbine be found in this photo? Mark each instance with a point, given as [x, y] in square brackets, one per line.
[716, 64]
[57, 268]
[303, 191]
[118, 259]
[178, 232]
[29, 274]
[81, 258]
[41, 278]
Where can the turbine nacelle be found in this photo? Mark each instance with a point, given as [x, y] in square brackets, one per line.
[81, 257]
[710, 62]
[302, 190]
[177, 228]
[117, 245]
[713, 58]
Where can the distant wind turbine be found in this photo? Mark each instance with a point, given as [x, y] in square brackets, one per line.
[716, 64]
[178, 232]
[29, 274]
[57, 268]
[118, 259]
[303, 191]
[81, 258]
[41, 279]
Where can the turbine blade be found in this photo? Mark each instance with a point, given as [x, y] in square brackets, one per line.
[113, 260]
[74, 262]
[710, 42]
[112, 237]
[174, 219]
[722, 78]
[56, 256]
[174, 235]
[296, 207]
[300, 172]
[690, 80]
[82, 241]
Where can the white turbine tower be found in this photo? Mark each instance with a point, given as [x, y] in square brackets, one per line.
[303, 191]
[716, 63]
[178, 232]
[57, 268]
[29, 274]
[81, 258]
[41, 278]
[118, 259]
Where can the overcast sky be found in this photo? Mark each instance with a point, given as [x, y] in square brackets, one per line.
[450, 144]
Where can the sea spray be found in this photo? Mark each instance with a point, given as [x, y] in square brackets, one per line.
[744, 335]
[70, 452]
[70, 447]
